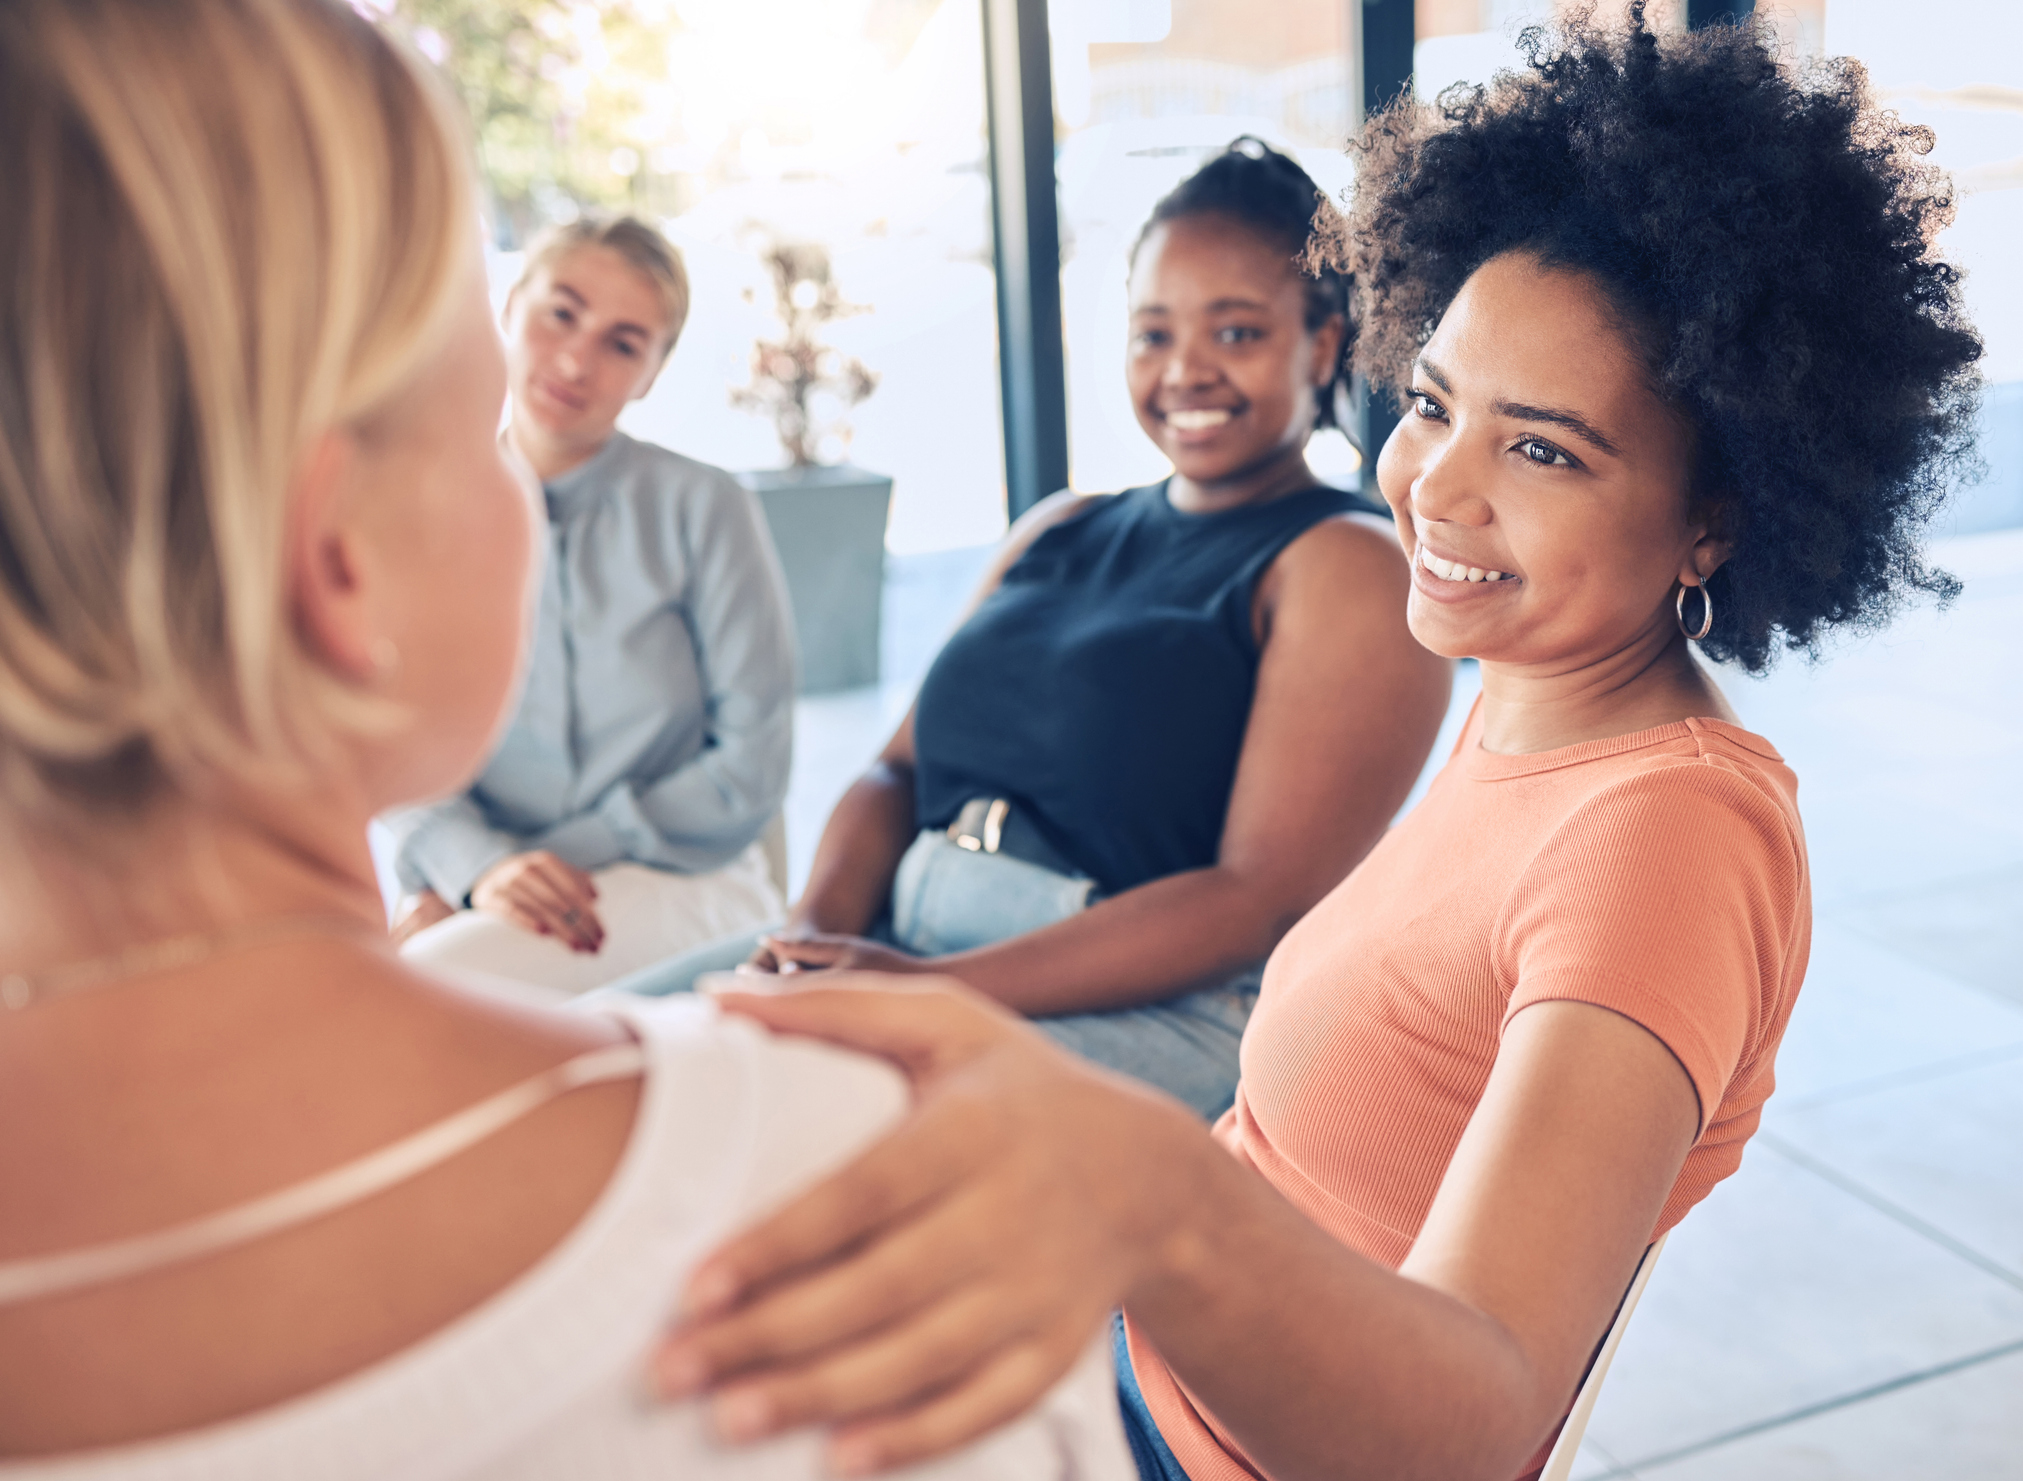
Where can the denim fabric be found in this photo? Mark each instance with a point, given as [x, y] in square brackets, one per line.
[946, 899]
[679, 973]
[1155, 1458]
[1187, 1046]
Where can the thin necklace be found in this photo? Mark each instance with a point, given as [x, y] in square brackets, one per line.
[18, 990]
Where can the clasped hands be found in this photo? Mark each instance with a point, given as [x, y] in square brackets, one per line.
[939, 1285]
[536, 891]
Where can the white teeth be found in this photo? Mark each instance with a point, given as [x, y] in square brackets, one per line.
[1196, 421]
[1448, 570]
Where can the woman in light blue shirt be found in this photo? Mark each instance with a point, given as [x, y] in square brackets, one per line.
[618, 820]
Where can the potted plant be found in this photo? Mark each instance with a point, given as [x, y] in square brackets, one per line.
[827, 518]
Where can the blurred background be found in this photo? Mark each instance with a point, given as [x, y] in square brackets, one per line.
[971, 174]
[862, 126]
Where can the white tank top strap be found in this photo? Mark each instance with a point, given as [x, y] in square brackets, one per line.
[99, 1264]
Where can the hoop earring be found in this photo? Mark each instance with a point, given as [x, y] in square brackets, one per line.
[1706, 611]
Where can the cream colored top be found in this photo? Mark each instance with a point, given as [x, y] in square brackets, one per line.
[546, 1379]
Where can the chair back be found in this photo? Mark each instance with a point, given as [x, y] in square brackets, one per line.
[774, 842]
[1559, 1464]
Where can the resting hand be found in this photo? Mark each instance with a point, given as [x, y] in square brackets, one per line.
[797, 949]
[939, 1285]
[765, 959]
[540, 893]
[417, 913]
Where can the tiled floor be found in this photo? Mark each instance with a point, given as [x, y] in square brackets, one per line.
[1848, 1307]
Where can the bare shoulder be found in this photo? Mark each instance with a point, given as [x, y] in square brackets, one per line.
[1345, 563]
[1348, 544]
[292, 1060]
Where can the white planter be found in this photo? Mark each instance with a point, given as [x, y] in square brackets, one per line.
[829, 525]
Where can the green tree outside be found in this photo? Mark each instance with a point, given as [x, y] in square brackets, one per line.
[567, 98]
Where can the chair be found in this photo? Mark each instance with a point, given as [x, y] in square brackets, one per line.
[774, 842]
[1559, 1464]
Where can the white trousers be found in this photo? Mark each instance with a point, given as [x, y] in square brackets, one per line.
[648, 915]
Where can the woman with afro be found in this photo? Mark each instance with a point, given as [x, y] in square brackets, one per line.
[1682, 378]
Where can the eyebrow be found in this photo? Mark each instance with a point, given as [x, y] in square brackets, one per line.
[1220, 305]
[1579, 425]
[622, 328]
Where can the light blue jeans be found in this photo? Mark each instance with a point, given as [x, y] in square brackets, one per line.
[947, 899]
[1155, 1458]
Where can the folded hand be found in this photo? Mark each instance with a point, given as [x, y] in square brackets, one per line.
[540, 893]
[795, 950]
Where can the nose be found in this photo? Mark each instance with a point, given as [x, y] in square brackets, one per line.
[1445, 486]
[1187, 368]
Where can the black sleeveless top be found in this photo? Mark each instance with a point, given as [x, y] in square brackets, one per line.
[1105, 686]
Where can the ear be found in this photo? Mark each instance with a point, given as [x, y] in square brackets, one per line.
[1709, 552]
[327, 590]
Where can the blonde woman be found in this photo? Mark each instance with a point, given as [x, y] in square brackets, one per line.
[274, 1203]
[618, 821]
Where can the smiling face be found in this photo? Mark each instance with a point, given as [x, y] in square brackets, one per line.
[1222, 367]
[585, 335]
[1541, 486]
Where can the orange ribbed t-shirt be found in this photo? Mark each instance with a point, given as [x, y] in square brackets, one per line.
[1660, 874]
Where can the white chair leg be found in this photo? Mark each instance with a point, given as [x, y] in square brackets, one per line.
[1560, 1463]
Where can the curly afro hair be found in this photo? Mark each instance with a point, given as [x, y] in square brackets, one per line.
[1768, 234]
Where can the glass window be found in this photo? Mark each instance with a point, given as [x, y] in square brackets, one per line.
[1469, 40]
[1145, 90]
[1956, 66]
[855, 125]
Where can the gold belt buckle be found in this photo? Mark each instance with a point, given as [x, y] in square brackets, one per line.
[979, 827]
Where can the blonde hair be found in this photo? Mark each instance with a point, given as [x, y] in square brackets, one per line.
[652, 255]
[232, 225]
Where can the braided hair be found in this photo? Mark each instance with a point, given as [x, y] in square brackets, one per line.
[1257, 187]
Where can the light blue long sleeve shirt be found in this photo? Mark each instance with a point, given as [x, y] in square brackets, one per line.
[657, 721]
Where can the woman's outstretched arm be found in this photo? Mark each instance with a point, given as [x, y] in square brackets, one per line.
[934, 1289]
[1346, 709]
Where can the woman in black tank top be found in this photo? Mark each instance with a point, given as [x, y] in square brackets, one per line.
[1175, 717]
